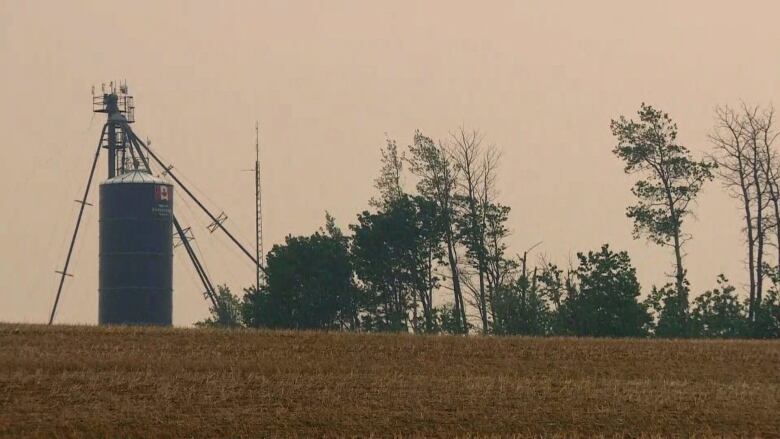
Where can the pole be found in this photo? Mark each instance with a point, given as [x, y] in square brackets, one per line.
[111, 149]
[78, 224]
[258, 208]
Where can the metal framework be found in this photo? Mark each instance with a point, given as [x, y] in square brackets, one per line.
[258, 208]
[126, 149]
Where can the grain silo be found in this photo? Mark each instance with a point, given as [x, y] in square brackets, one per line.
[136, 250]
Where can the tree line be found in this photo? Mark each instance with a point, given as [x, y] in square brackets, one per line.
[433, 258]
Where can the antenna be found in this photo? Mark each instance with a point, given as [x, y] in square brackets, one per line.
[119, 106]
[258, 206]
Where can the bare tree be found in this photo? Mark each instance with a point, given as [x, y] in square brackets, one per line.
[772, 171]
[466, 147]
[747, 166]
[762, 136]
[731, 153]
[498, 267]
[755, 158]
[481, 220]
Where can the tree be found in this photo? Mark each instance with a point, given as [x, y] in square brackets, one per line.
[417, 230]
[498, 268]
[309, 284]
[227, 313]
[604, 301]
[747, 167]
[766, 323]
[438, 178]
[718, 313]
[480, 220]
[555, 286]
[668, 311]
[770, 167]
[391, 260]
[670, 181]
[389, 180]
[521, 309]
[467, 155]
[430, 235]
[256, 311]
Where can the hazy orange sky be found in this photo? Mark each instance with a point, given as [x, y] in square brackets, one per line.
[327, 80]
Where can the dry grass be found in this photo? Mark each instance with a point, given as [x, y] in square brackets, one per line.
[142, 382]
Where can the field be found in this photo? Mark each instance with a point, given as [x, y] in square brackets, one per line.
[67, 381]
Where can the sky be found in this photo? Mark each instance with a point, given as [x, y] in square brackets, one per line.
[328, 81]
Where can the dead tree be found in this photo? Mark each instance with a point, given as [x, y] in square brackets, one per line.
[466, 147]
[747, 166]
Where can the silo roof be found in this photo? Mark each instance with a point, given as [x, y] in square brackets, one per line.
[136, 176]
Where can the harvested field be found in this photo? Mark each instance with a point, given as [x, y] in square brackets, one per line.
[67, 381]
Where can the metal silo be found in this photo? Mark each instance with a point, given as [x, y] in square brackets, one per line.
[136, 250]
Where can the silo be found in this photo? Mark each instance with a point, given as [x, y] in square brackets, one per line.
[136, 250]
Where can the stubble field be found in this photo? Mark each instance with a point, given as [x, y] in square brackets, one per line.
[67, 381]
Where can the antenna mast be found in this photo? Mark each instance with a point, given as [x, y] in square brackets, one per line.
[258, 207]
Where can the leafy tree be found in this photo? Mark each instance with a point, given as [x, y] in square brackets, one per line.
[604, 302]
[438, 178]
[430, 235]
[521, 309]
[718, 313]
[389, 180]
[391, 261]
[449, 320]
[766, 323]
[309, 285]
[671, 180]
[767, 319]
[553, 283]
[227, 313]
[669, 312]
[255, 308]
[498, 268]
[555, 286]
[419, 231]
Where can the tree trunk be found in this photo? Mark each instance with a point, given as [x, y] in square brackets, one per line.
[415, 317]
[496, 275]
[429, 298]
[682, 292]
[478, 239]
[680, 272]
[751, 253]
[482, 297]
[459, 305]
[680, 275]
[483, 262]
[759, 228]
[777, 222]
